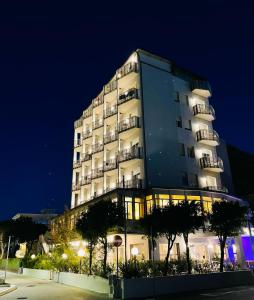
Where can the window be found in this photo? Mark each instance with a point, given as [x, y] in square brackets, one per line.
[149, 204]
[193, 180]
[188, 125]
[177, 97]
[181, 149]
[139, 211]
[184, 177]
[187, 100]
[179, 122]
[76, 200]
[191, 152]
[128, 208]
[78, 156]
[162, 200]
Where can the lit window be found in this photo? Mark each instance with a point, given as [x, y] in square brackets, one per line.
[128, 207]
[190, 198]
[139, 209]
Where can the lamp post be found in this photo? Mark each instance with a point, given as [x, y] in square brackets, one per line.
[81, 254]
[64, 256]
[7, 258]
[134, 252]
[117, 242]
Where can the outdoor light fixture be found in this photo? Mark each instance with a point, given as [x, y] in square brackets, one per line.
[64, 256]
[134, 251]
[33, 256]
[81, 253]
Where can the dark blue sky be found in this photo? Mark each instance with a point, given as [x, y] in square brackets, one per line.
[55, 58]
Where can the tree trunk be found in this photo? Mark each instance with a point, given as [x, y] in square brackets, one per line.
[105, 246]
[90, 259]
[171, 240]
[186, 240]
[222, 248]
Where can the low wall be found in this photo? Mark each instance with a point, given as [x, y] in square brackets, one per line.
[36, 273]
[91, 283]
[158, 286]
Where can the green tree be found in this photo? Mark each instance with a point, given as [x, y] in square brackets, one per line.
[5, 231]
[226, 220]
[192, 219]
[95, 224]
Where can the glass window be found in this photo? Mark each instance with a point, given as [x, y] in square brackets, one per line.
[177, 97]
[188, 125]
[179, 122]
[184, 177]
[177, 198]
[191, 152]
[128, 208]
[181, 149]
[187, 100]
[190, 197]
[149, 204]
[139, 208]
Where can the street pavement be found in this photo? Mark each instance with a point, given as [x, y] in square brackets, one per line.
[239, 293]
[36, 289]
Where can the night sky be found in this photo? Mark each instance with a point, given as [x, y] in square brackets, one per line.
[55, 59]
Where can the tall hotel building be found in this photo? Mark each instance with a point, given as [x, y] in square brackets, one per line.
[148, 138]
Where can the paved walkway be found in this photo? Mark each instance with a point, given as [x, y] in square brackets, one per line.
[36, 289]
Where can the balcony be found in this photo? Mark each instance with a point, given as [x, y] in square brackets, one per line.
[76, 164]
[110, 111]
[76, 186]
[97, 173]
[211, 164]
[98, 101]
[128, 95]
[126, 69]
[97, 148]
[110, 164]
[111, 188]
[208, 137]
[86, 134]
[86, 157]
[132, 122]
[205, 112]
[133, 183]
[97, 123]
[111, 86]
[77, 143]
[110, 137]
[88, 112]
[201, 88]
[128, 154]
[78, 123]
[86, 180]
[221, 189]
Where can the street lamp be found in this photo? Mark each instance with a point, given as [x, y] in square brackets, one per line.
[33, 256]
[134, 252]
[81, 254]
[64, 256]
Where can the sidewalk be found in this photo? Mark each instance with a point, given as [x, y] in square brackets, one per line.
[7, 289]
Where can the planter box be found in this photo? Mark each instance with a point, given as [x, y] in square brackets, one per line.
[91, 283]
[36, 273]
[158, 286]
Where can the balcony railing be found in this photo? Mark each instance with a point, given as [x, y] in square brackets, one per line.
[98, 101]
[88, 112]
[97, 123]
[110, 188]
[204, 110]
[97, 173]
[76, 186]
[132, 122]
[111, 86]
[110, 164]
[86, 180]
[110, 111]
[208, 135]
[77, 143]
[97, 148]
[87, 156]
[128, 95]
[126, 69]
[132, 183]
[77, 164]
[86, 134]
[128, 154]
[210, 163]
[110, 137]
[221, 189]
[78, 123]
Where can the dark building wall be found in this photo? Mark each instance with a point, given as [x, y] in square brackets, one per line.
[226, 176]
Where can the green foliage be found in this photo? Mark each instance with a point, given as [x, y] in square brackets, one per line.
[226, 220]
[13, 264]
